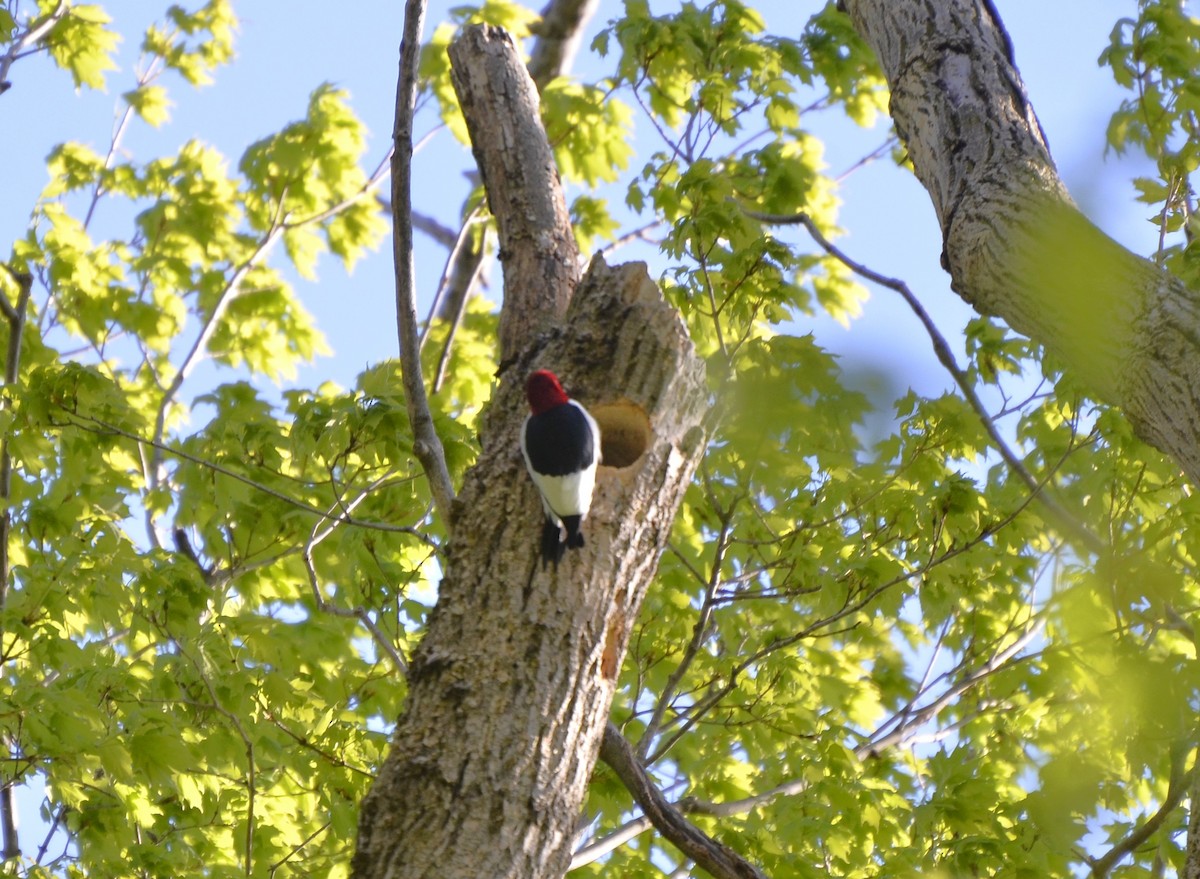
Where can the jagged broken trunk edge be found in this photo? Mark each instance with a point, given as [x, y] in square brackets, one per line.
[511, 686]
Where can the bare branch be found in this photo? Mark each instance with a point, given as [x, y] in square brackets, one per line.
[719, 860]
[462, 251]
[537, 245]
[456, 307]
[27, 39]
[594, 851]
[558, 37]
[642, 233]
[427, 445]
[443, 235]
[1181, 784]
[559, 34]
[59, 815]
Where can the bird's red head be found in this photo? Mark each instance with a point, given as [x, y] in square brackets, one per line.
[544, 391]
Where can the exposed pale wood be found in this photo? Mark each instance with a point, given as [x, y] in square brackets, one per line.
[558, 37]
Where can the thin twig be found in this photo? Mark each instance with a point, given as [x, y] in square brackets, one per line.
[298, 848]
[440, 233]
[190, 360]
[870, 157]
[59, 814]
[27, 39]
[1061, 516]
[930, 711]
[459, 301]
[110, 429]
[689, 718]
[149, 75]
[1177, 788]
[642, 233]
[700, 632]
[427, 446]
[456, 249]
[692, 806]
[360, 613]
[304, 742]
[247, 742]
[372, 182]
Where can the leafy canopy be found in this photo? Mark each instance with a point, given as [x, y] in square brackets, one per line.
[213, 576]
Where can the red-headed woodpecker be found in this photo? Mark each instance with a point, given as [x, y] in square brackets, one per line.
[561, 444]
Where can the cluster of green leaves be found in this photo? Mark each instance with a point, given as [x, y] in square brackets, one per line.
[198, 640]
[713, 83]
[1155, 55]
[946, 677]
[197, 649]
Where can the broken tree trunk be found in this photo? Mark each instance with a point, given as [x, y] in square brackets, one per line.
[510, 688]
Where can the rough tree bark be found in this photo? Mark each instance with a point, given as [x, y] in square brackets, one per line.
[510, 689]
[1014, 243]
[558, 36]
[537, 247]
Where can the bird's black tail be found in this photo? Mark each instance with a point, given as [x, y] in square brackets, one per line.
[574, 535]
[553, 547]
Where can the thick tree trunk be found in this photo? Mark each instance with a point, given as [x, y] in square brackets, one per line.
[1015, 245]
[559, 35]
[537, 247]
[510, 689]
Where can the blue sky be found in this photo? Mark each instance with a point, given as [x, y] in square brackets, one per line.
[283, 56]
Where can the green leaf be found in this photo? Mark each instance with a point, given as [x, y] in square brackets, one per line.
[150, 102]
[80, 42]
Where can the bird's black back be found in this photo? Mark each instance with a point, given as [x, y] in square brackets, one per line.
[559, 441]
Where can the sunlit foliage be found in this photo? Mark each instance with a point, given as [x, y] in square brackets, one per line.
[878, 654]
